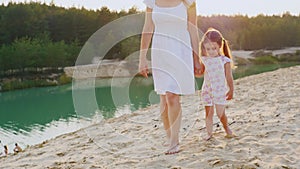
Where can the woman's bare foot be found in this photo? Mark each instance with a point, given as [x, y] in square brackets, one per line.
[173, 150]
[166, 144]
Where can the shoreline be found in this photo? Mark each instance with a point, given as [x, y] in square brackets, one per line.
[116, 68]
[264, 116]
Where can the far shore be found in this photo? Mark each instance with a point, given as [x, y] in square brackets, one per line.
[129, 68]
[105, 69]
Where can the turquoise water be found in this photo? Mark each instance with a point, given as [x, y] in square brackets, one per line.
[33, 115]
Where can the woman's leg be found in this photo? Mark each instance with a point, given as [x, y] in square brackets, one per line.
[220, 109]
[174, 113]
[209, 113]
[165, 117]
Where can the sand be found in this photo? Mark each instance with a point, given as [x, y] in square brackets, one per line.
[265, 116]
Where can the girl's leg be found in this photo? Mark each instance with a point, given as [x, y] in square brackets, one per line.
[209, 111]
[165, 117]
[220, 109]
[174, 113]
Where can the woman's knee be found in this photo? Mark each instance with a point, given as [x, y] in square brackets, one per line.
[163, 106]
[172, 98]
[164, 109]
[163, 100]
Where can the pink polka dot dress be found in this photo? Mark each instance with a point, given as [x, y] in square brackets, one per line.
[214, 87]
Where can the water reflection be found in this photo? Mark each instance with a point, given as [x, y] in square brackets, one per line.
[33, 115]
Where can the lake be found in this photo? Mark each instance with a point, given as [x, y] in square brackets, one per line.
[34, 115]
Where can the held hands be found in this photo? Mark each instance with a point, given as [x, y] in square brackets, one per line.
[144, 71]
[198, 69]
[143, 67]
[229, 95]
[198, 66]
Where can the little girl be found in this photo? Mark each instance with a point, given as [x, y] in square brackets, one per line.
[218, 82]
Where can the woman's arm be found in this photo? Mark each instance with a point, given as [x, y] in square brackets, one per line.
[229, 79]
[145, 42]
[193, 30]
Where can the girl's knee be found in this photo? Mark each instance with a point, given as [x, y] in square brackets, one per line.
[221, 115]
[220, 109]
[209, 116]
[209, 111]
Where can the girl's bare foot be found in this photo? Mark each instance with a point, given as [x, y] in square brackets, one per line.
[230, 136]
[229, 133]
[208, 137]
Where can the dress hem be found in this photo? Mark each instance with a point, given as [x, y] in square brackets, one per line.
[174, 92]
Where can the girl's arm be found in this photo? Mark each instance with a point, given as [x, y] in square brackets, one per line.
[193, 30]
[229, 79]
[145, 42]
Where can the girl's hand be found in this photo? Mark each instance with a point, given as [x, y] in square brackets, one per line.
[229, 95]
[143, 67]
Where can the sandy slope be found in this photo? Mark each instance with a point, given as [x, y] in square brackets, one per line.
[265, 116]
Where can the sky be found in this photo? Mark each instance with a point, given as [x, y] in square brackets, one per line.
[204, 7]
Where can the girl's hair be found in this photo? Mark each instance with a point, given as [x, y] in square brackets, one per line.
[213, 35]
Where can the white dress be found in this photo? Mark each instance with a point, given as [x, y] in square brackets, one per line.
[171, 51]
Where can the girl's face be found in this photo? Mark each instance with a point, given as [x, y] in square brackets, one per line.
[212, 49]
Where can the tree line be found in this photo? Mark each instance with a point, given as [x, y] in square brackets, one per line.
[37, 35]
[254, 33]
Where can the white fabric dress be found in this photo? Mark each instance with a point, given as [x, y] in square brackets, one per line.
[171, 52]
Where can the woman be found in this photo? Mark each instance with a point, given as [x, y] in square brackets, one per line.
[172, 26]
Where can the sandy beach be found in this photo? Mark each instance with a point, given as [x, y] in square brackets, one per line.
[265, 116]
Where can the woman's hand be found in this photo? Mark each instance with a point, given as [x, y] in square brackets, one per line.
[229, 95]
[143, 67]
